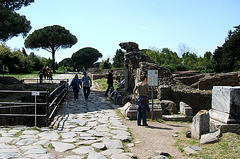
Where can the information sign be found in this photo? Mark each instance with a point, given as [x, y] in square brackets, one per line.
[153, 78]
[35, 93]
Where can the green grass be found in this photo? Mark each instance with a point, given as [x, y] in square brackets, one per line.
[103, 84]
[21, 76]
[19, 133]
[228, 146]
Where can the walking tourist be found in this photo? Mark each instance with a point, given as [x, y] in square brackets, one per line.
[44, 72]
[75, 84]
[86, 84]
[109, 81]
[141, 90]
[50, 75]
[41, 75]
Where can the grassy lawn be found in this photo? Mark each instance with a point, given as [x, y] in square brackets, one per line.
[103, 84]
[21, 76]
[228, 146]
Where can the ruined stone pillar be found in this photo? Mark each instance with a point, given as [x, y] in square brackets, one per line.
[200, 124]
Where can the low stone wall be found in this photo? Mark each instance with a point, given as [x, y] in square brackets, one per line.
[197, 100]
[223, 79]
[98, 76]
[189, 80]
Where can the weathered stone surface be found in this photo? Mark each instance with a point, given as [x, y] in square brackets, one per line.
[120, 156]
[200, 124]
[169, 107]
[211, 137]
[185, 109]
[226, 104]
[24, 142]
[51, 135]
[95, 155]
[83, 150]
[111, 152]
[215, 125]
[9, 155]
[223, 79]
[189, 80]
[99, 146]
[164, 92]
[113, 144]
[62, 147]
[129, 46]
[182, 93]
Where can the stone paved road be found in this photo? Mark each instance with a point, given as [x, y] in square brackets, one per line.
[82, 129]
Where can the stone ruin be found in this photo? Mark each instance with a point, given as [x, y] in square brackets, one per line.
[176, 93]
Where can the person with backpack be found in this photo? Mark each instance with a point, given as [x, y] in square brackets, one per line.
[141, 90]
[75, 84]
[86, 84]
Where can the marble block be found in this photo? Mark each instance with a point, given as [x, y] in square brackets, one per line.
[226, 104]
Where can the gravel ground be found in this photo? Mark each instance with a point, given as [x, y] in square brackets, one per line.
[157, 136]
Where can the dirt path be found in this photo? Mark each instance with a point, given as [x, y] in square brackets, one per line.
[157, 136]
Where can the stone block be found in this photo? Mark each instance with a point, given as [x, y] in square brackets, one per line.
[130, 110]
[164, 92]
[169, 107]
[226, 104]
[215, 125]
[200, 124]
[185, 109]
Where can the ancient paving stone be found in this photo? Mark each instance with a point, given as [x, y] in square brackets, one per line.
[102, 128]
[83, 150]
[88, 142]
[120, 132]
[99, 146]
[71, 140]
[29, 147]
[68, 135]
[28, 136]
[110, 152]
[74, 157]
[95, 155]
[25, 142]
[36, 151]
[91, 124]
[30, 132]
[120, 156]
[51, 135]
[62, 147]
[80, 122]
[81, 129]
[5, 146]
[7, 140]
[113, 144]
[9, 155]
[122, 137]
[48, 155]
[42, 142]
[15, 150]
[87, 138]
[8, 134]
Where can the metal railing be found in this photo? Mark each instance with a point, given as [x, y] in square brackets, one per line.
[46, 103]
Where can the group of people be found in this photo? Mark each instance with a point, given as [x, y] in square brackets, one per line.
[85, 82]
[140, 93]
[46, 73]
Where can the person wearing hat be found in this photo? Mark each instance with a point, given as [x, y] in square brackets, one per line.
[86, 84]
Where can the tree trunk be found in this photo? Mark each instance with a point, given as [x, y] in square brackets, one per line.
[53, 58]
